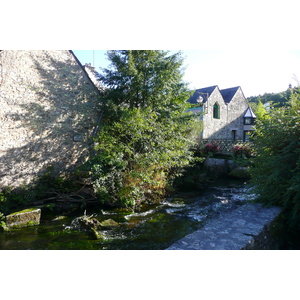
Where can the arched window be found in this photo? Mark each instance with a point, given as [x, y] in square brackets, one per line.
[216, 111]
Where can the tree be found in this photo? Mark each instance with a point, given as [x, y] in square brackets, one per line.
[144, 78]
[146, 133]
[276, 99]
[260, 111]
[276, 168]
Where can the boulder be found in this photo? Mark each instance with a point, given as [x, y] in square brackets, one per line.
[240, 172]
[109, 223]
[88, 224]
[24, 218]
[85, 223]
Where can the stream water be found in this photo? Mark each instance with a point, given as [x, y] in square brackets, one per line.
[154, 227]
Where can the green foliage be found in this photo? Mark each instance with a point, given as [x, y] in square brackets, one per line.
[278, 99]
[194, 176]
[11, 199]
[145, 78]
[276, 168]
[260, 111]
[2, 222]
[146, 132]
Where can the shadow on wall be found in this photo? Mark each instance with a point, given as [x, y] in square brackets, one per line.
[226, 132]
[51, 109]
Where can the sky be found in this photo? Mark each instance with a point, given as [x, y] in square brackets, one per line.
[256, 71]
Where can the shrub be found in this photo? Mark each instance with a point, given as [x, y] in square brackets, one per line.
[137, 157]
[212, 147]
[2, 222]
[242, 151]
[276, 168]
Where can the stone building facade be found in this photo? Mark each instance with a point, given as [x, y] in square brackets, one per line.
[226, 114]
[49, 110]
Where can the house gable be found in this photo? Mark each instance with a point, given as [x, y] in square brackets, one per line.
[236, 110]
[201, 95]
[228, 94]
[49, 109]
[223, 112]
[214, 116]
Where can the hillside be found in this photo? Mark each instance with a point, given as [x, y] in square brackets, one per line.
[278, 99]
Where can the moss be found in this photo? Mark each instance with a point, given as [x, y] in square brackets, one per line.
[23, 211]
[17, 226]
[24, 218]
[109, 223]
[3, 226]
[240, 172]
[96, 234]
[178, 200]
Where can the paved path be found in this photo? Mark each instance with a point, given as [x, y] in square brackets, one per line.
[231, 231]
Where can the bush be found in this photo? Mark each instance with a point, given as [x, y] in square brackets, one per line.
[276, 167]
[15, 198]
[211, 148]
[137, 158]
[242, 151]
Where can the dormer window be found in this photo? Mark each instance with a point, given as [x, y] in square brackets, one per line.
[249, 117]
[216, 111]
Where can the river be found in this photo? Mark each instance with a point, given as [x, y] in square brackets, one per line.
[154, 227]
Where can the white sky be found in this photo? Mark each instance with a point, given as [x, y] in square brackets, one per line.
[252, 32]
[257, 72]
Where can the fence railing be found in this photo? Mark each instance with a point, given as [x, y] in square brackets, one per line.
[225, 145]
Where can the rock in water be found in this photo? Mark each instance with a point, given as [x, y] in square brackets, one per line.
[26, 217]
[89, 224]
[109, 223]
[85, 223]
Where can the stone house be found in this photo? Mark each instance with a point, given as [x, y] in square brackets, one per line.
[49, 112]
[225, 113]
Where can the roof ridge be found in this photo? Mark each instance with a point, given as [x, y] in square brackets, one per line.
[84, 70]
[228, 93]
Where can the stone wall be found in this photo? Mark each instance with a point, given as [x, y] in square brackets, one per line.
[49, 108]
[267, 239]
[236, 110]
[213, 128]
[231, 116]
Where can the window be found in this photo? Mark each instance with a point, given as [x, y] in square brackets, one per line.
[233, 135]
[216, 111]
[248, 121]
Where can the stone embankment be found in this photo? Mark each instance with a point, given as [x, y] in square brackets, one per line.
[247, 227]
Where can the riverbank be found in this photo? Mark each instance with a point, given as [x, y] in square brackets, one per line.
[247, 227]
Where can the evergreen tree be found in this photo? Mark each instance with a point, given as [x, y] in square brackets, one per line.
[146, 133]
[144, 78]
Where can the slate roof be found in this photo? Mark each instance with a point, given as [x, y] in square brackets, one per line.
[228, 93]
[204, 93]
